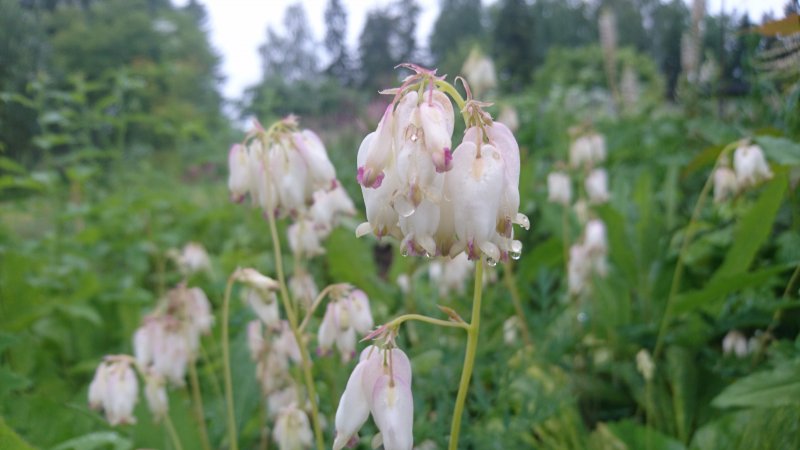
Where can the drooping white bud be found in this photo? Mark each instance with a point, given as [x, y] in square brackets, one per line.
[377, 152]
[750, 165]
[735, 343]
[312, 150]
[597, 186]
[303, 288]
[115, 390]
[304, 240]
[725, 184]
[292, 429]
[265, 305]
[255, 279]
[155, 392]
[239, 177]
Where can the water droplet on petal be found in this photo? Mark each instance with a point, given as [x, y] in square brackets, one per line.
[491, 262]
[404, 251]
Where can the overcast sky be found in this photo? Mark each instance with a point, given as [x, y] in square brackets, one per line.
[238, 27]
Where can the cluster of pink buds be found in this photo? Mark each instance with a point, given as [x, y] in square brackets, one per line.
[379, 385]
[436, 200]
[286, 172]
[347, 313]
[749, 169]
[169, 338]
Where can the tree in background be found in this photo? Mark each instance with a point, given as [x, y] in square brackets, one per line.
[513, 49]
[340, 66]
[459, 21]
[386, 41]
[670, 20]
[292, 56]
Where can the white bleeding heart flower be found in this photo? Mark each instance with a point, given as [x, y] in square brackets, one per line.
[735, 343]
[725, 184]
[155, 392]
[437, 121]
[559, 188]
[377, 152]
[303, 288]
[393, 411]
[475, 186]
[360, 312]
[304, 240]
[382, 219]
[293, 429]
[255, 279]
[327, 206]
[596, 184]
[198, 310]
[750, 165]
[587, 150]
[265, 305]
[595, 239]
[239, 183]
[312, 150]
[115, 390]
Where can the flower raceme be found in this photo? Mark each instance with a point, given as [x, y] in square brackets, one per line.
[379, 385]
[439, 201]
[344, 317]
[115, 390]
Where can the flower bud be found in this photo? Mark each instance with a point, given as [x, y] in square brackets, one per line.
[750, 165]
[256, 280]
[597, 186]
[292, 429]
[265, 305]
[115, 390]
[155, 392]
[304, 240]
[377, 152]
[725, 184]
[239, 176]
[320, 169]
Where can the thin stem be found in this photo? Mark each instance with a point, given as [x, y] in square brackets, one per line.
[226, 359]
[315, 305]
[565, 236]
[197, 399]
[687, 238]
[511, 285]
[292, 316]
[469, 358]
[173, 434]
[453, 92]
[420, 318]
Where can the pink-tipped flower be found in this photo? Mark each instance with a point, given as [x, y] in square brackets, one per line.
[437, 121]
[382, 219]
[198, 311]
[239, 182]
[595, 239]
[377, 152]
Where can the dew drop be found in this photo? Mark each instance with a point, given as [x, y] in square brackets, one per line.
[404, 251]
[515, 255]
[582, 317]
[491, 262]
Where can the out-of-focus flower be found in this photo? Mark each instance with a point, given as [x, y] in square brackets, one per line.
[292, 429]
[346, 315]
[587, 257]
[155, 392]
[304, 240]
[327, 207]
[597, 186]
[725, 184]
[735, 343]
[645, 364]
[511, 330]
[280, 399]
[303, 288]
[588, 149]
[479, 71]
[255, 339]
[239, 182]
[450, 275]
[265, 305]
[255, 279]
[750, 165]
[508, 116]
[191, 259]
[115, 390]
[559, 188]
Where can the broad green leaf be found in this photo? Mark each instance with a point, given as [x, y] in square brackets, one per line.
[629, 435]
[777, 387]
[682, 377]
[10, 440]
[547, 254]
[713, 293]
[619, 242]
[780, 150]
[98, 440]
[753, 228]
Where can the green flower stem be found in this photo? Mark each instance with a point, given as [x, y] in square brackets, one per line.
[315, 305]
[173, 434]
[292, 316]
[687, 239]
[469, 359]
[420, 318]
[197, 399]
[453, 92]
[226, 359]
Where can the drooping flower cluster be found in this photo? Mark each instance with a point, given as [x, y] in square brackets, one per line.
[286, 172]
[379, 385]
[435, 200]
[750, 168]
[164, 345]
[347, 313]
[115, 390]
[587, 256]
[169, 338]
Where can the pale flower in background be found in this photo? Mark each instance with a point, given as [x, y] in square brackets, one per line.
[292, 429]
[264, 304]
[115, 390]
[155, 392]
[479, 70]
[508, 116]
[735, 343]
[588, 150]
[750, 165]
[511, 330]
[303, 288]
[597, 186]
[559, 188]
[191, 259]
[304, 239]
[645, 364]
[725, 184]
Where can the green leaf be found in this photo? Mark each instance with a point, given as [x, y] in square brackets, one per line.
[10, 165]
[753, 228]
[100, 439]
[778, 387]
[629, 435]
[713, 293]
[10, 440]
[780, 150]
[547, 254]
[619, 243]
